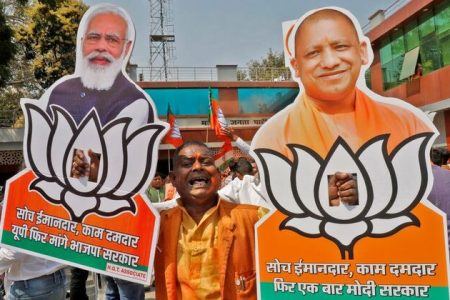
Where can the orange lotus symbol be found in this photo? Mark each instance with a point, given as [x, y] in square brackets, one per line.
[124, 167]
[389, 187]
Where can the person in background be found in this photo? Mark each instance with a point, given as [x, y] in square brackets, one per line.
[445, 159]
[244, 188]
[240, 143]
[440, 192]
[229, 173]
[418, 72]
[78, 278]
[31, 277]
[170, 190]
[156, 191]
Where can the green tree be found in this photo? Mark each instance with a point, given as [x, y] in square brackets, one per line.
[242, 75]
[270, 67]
[48, 38]
[22, 77]
[7, 47]
[17, 84]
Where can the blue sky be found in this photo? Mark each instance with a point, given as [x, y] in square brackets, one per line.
[213, 32]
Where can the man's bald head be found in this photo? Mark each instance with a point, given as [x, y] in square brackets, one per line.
[329, 54]
[323, 14]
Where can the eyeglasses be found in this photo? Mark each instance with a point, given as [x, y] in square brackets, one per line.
[112, 40]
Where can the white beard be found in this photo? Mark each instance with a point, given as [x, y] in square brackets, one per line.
[97, 77]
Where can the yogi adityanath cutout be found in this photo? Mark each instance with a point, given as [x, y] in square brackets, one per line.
[328, 56]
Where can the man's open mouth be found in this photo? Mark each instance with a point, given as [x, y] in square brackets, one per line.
[199, 181]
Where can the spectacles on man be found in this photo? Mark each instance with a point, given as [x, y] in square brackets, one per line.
[112, 40]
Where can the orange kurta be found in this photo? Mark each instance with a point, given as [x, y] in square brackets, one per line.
[235, 251]
[197, 256]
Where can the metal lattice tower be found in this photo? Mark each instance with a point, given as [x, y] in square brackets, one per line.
[162, 39]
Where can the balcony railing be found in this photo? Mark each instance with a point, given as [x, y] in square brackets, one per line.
[10, 118]
[394, 7]
[389, 11]
[211, 74]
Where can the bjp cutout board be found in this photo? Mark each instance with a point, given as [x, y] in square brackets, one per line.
[91, 149]
[351, 217]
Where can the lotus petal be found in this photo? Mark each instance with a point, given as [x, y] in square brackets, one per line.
[62, 132]
[346, 233]
[49, 189]
[137, 112]
[88, 136]
[376, 162]
[306, 226]
[410, 168]
[38, 134]
[79, 205]
[277, 182]
[108, 206]
[139, 159]
[342, 159]
[114, 136]
[389, 226]
[306, 168]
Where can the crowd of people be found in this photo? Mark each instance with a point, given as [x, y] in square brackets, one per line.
[239, 183]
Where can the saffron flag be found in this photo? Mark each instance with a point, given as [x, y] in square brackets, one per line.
[216, 118]
[173, 136]
[224, 156]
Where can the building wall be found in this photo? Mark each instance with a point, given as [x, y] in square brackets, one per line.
[410, 9]
[425, 90]
[430, 92]
[246, 105]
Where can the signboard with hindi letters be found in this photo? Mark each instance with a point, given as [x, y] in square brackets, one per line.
[348, 173]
